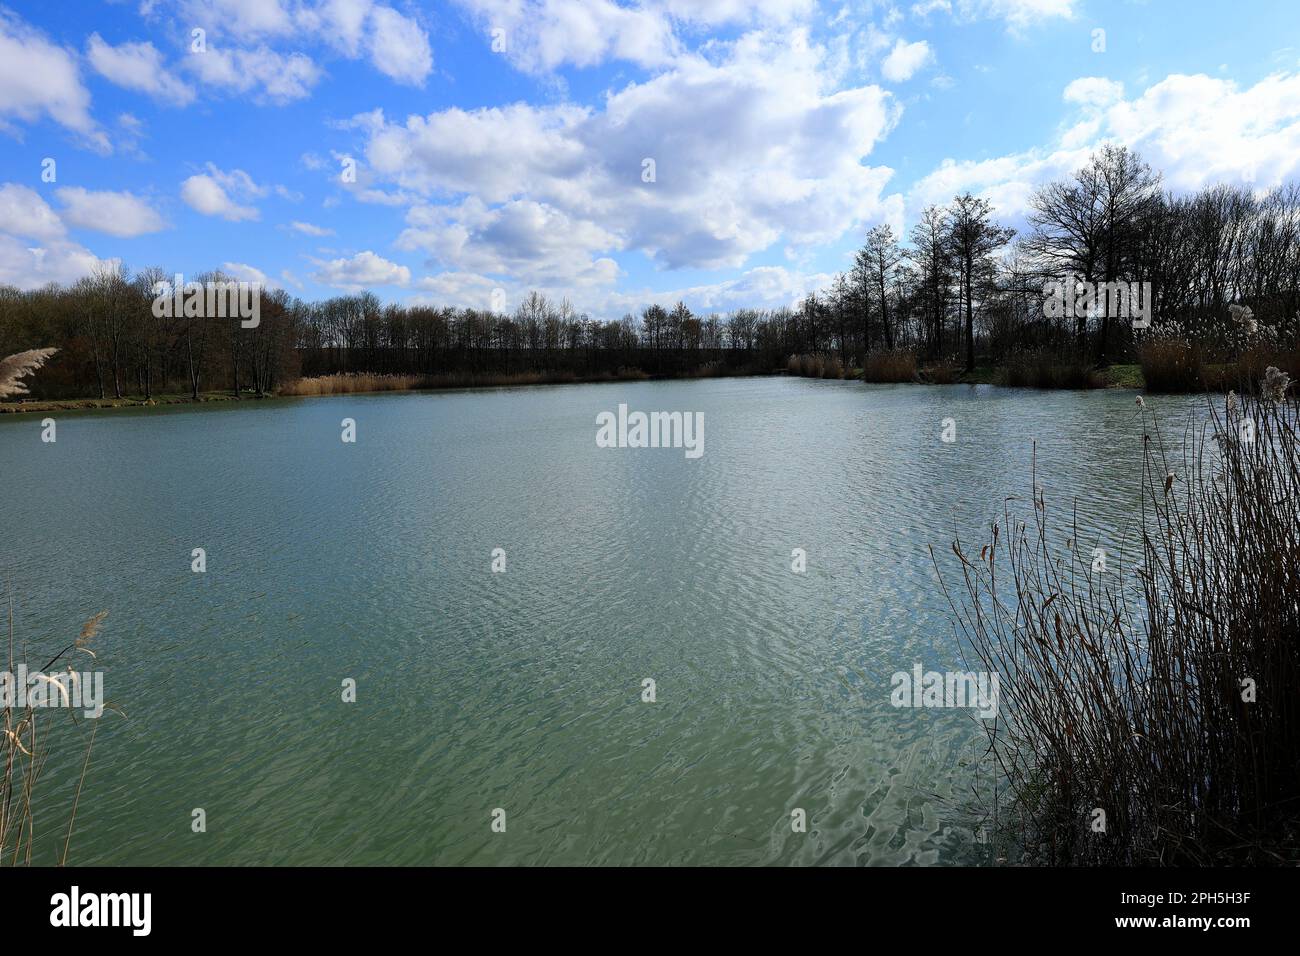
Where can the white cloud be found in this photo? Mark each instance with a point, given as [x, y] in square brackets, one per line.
[530, 241]
[39, 79]
[34, 249]
[1018, 14]
[904, 60]
[923, 9]
[24, 213]
[715, 12]
[243, 17]
[275, 77]
[460, 289]
[763, 287]
[791, 167]
[139, 67]
[1196, 130]
[398, 47]
[31, 267]
[1093, 91]
[210, 193]
[118, 214]
[243, 272]
[395, 44]
[363, 270]
[307, 229]
[542, 35]
[1023, 13]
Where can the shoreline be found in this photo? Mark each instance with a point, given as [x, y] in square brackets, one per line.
[1119, 377]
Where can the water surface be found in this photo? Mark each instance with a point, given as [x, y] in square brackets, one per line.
[522, 690]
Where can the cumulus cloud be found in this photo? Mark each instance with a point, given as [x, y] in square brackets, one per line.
[398, 47]
[24, 213]
[39, 79]
[394, 43]
[791, 167]
[31, 267]
[243, 272]
[118, 214]
[904, 60]
[275, 77]
[1093, 91]
[363, 270]
[1198, 130]
[542, 35]
[528, 240]
[139, 67]
[34, 248]
[211, 193]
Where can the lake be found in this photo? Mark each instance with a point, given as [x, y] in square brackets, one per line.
[372, 561]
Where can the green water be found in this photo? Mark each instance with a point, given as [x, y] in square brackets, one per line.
[523, 690]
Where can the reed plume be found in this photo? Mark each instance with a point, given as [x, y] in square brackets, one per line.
[14, 368]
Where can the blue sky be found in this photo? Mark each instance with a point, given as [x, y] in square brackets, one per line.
[780, 131]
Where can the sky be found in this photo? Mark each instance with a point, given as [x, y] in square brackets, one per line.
[720, 152]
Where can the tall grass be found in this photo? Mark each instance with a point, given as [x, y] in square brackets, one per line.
[25, 735]
[343, 383]
[943, 372]
[816, 365]
[1164, 694]
[1175, 364]
[1172, 365]
[1049, 369]
[896, 365]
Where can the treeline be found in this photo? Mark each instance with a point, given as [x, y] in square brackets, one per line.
[112, 345]
[966, 290]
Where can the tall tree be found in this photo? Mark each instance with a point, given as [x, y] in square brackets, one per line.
[973, 237]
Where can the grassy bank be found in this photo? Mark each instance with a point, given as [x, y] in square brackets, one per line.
[883, 367]
[82, 404]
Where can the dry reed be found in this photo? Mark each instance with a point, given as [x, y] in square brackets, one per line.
[1167, 704]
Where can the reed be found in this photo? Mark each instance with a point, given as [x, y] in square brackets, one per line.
[894, 365]
[344, 383]
[1048, 369]
[25, 749]
[14, 368]
[815, 365]
[1157, 699]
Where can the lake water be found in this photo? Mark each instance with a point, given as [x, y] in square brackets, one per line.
[523, 690]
